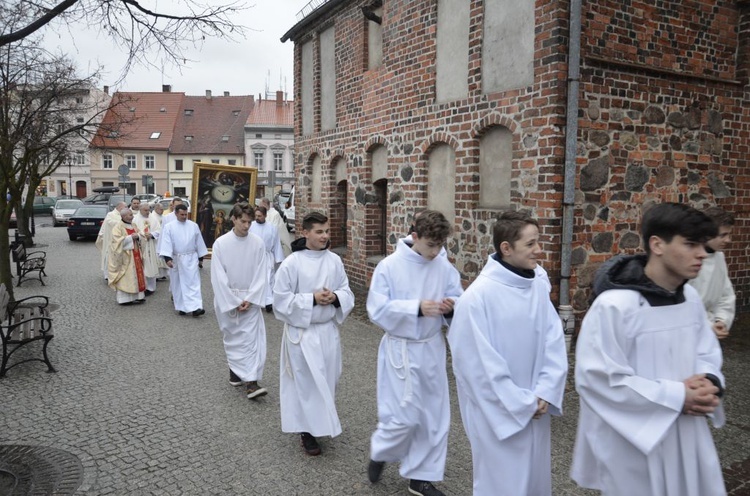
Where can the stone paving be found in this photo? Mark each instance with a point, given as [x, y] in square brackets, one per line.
[142, 399]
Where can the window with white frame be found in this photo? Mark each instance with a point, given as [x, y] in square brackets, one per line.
[149, 162]
[130, 160]
[178, 164]
[232, 161]
[106, 161]
[278, 161]
[258, 160]
[79, 158]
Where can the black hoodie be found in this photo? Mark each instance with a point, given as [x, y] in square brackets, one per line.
[627, 272]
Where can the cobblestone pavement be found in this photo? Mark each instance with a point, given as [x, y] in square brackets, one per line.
[142, 398]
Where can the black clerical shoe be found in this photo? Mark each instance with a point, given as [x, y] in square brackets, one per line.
[182, 313]
[269, 308]
[310, 444]
[234, 379]
[140, 301]
[374, 470]
[148, 292]
[254, 390]
[423, 488]
[198, 313]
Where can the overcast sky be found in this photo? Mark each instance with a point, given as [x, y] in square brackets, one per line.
[241, 68]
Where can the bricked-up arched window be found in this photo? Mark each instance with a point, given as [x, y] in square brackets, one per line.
[376, 216]
[452, 50]
[328, 79]
[375, 38]
[441, 184]
[507, 45]
[307, 90]
[316, 181]
[495, 163]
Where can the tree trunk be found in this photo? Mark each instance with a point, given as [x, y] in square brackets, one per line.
[6, 274]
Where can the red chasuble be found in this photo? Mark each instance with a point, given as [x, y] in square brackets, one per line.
[137, 260]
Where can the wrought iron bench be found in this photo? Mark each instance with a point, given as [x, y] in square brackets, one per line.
[24, 321]
[28, 262]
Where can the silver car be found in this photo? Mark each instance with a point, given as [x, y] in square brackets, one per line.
[62, 211]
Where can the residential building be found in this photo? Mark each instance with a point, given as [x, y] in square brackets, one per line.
[137, 132]
[209, 129]
[74, 177]
[269, 144]
[471, 107]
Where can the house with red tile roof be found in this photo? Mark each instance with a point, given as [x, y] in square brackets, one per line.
[209, 129]
[137, 132]
[269, 144]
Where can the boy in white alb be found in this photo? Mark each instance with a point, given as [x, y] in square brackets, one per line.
[510, 363]
[648, 368]
[713, 284]
[411, 294]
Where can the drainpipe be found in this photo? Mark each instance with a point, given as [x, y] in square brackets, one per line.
[571, 146]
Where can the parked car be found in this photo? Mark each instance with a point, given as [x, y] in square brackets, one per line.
[279, 201]
[166, 201]
[101, 196]
[289, 211]
[86, 221]
[148, 198]
[43, 205]
[62, 211]
[115, 199]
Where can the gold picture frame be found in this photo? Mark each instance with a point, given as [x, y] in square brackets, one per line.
[216, 189]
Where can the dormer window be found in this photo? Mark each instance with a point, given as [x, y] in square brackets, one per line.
[225, 138]
[155, 135]
[235, 113]
[188, 111]
[188, 138]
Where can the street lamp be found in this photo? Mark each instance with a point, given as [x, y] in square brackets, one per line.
[70, 180]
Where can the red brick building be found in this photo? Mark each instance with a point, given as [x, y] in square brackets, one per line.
[462, 106]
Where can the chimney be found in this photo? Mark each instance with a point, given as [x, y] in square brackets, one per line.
[106, 89]
[226, 93]
[208, 94]
[260, 97]
[279, 98]
[166, 88]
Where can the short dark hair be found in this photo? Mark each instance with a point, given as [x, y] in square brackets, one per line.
[431, 224]
[508, 227]
[181, 206]
[721, 217]
[240, 209]
[313, 218]
[262, 210]
[175, 199]
[667, 220]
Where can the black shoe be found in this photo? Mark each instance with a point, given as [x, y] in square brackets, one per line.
[423, 488]
[148, 292]
[198, 313]
[374, 470]
[182, 313]
[233, 379]
[140, 301]
[253, 390]
[269, 308]
[126, 303]
[310, 444]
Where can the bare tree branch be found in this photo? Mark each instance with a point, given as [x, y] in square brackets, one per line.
[37, 24]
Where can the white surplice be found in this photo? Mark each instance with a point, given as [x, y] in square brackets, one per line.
[631, 359]
[270, 236]
[285, 238]
[310, 347]
[413, 401]
[183, 243]
[715, 289]
[156, 226]
[104, 238]
[508, 349]
[148, 251]
[238, 274]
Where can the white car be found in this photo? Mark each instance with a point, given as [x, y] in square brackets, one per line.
[62, 211]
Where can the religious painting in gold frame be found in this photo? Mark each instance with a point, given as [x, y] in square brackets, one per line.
[216, 189]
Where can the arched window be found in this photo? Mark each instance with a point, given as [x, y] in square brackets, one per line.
[441, 185]
[495, 163]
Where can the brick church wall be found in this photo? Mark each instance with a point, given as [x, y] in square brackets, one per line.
[663, 117]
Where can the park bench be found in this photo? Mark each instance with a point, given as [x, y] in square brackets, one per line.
[28, 262]
[23, 322]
